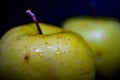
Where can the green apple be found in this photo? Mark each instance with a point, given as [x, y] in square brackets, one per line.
[54, 55]
[103, 36]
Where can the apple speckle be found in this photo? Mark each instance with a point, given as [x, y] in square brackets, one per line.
[61, 37]
[8, 45]
[27, 57]
[50, 70]
[68, 39]
[24, 46]
[46, 43]
[17, 39]
[66, 43]
[57, 37]
[48, 59]
[61, 63]
[19, 50]
[64, 52]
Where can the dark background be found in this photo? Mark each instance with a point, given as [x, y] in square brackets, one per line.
[12, 12]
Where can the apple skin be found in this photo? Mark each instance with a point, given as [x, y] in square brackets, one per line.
[103, 36]
[55, 55]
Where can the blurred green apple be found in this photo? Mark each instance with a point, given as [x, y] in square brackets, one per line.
[54, 55]
[103, 36]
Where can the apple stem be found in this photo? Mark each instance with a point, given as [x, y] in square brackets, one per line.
[93, 6]
[32, 15]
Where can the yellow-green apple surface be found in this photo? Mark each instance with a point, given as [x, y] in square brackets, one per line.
[53, 55]
[103, 36]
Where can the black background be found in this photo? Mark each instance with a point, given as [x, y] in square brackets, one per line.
[12, 12]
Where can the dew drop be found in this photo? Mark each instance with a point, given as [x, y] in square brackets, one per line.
[39, 52]
[58, 52]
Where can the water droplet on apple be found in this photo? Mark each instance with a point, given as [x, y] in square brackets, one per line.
[39, 52]
[58, 52]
